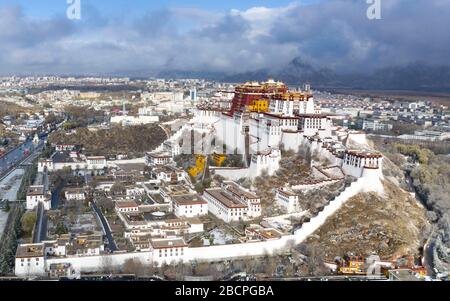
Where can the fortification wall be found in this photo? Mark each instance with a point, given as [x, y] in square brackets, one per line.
[230, 172]
[88, 264]
[210, 253]
[270, 247]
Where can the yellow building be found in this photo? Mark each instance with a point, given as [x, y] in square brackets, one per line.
[200, 162]
[219, 159]
[261, 105]
[354, 265]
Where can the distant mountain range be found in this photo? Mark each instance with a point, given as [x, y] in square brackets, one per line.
[415, 76]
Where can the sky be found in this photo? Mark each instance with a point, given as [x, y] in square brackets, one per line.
[147, 36]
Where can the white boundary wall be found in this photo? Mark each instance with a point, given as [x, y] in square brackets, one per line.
[96, 263]
[270, 247]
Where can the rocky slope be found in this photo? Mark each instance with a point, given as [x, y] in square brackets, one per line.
[391, 225]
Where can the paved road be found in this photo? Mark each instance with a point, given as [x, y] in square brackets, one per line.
[37, 234]
[44, 227]
[55, 196]
[165, 131]
[18, 154]
[14, 156]
[111, 243]
[17, 157]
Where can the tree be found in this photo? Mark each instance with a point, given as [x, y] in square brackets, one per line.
[118, 188]
[106, 204]
[7, 207]
[68, 126]
[28, 221]
[270, 265]
[134, 266]
[314, 262]
[61, 228]
[202, 269]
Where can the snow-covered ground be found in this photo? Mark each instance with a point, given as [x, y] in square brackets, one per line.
[220, 238]
[283, 222]
[10, 185]
[8, 190]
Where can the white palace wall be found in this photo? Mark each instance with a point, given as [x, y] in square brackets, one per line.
[87, 264]
[231, 173]
[229, 131]
[292, 140]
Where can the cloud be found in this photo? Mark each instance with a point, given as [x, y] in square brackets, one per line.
[334, 33]
[19, 31]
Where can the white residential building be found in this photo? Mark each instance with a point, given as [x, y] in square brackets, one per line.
[232, 202]
[134, 191]
[126, 206]
[75, 194]
[30, 260]
[189, 205]
[73, 160]
[168, 174]
[358, 162]
[158, 158]
[287, 199]
[35, 195]
[168, 249]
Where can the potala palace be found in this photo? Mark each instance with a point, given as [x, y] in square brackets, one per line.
[260, 121]
[264, 118]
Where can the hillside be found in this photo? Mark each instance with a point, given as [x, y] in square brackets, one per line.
[132, 140]
[390, 225]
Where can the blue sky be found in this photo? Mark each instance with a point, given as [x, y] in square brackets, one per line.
[149, 36]
[43, 8]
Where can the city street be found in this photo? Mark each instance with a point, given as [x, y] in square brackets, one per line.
[8, 190]
[111, 242]
[11, 173]
[14, 156]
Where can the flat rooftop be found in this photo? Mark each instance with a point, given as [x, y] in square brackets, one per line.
[239, 191]
[188, 199]
[176, 190]
[166, 169]
[129, 167]
[226, 199]
[74, 190]
[159, 155]
[286, 192]
[126, 204]
[35, 190]
[364, 153]
[158, 216]
[30, 250]
[167, 243]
